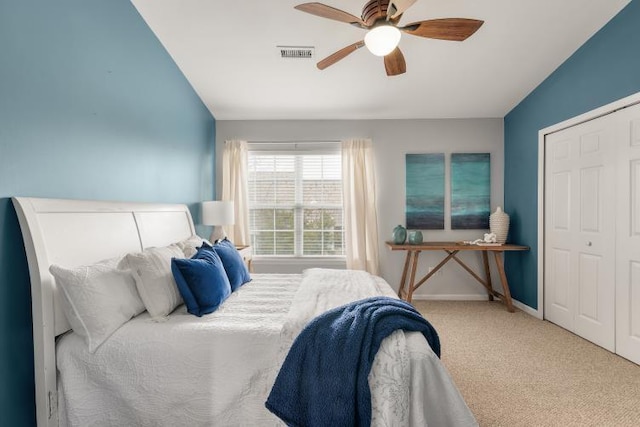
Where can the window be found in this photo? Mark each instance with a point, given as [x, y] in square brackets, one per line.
[295, 199]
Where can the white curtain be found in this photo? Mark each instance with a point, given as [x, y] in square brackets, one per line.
[359, 198]
[234, 187]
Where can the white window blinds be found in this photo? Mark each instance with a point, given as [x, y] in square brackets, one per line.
[295, 199]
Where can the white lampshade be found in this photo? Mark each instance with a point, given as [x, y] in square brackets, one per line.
[218, 212]
[382, 40]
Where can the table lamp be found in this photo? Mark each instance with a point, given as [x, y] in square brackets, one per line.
[218, 213]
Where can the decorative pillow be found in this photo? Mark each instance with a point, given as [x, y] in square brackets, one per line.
[202, 281]
[191, 245]
[233, 263]
[97, 299]
[151, 270]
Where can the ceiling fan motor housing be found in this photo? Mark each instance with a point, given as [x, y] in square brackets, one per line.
[374, 10]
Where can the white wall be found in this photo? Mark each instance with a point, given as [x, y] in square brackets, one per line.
[393, 139]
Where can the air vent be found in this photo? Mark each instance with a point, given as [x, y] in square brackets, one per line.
[296, 52]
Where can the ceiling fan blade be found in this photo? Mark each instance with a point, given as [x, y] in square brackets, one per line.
[337, 56]
[394, 63]
[329, 12]
[455, 29]
[397, 8]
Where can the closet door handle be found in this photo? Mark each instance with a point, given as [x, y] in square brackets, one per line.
[589, 243]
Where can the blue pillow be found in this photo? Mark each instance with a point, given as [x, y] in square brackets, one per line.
[202, 281]
[234, 265]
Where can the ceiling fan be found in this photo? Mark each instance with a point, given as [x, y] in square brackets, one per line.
[380, 18]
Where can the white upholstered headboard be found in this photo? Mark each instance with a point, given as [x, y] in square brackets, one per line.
[77, 232]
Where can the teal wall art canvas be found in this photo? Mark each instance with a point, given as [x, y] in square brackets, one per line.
[470, 191]
[425, 191]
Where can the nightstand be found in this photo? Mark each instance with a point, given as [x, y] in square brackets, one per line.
[247, 255]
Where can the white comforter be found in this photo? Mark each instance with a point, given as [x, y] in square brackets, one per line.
[218, 369]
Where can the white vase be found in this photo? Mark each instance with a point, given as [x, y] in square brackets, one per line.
[499, 225]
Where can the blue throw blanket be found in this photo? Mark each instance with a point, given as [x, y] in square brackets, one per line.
[324, 378]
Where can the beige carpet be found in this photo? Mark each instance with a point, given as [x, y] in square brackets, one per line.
[516, 370]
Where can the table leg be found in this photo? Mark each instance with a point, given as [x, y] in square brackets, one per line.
[436, 268]
[503, 279]
[487, 271]
[401, 292]
[412, 280]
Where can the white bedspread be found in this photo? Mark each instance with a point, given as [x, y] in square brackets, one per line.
[218, 369]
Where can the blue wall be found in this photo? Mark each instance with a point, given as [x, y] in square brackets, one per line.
[604, 69]
[93, 107]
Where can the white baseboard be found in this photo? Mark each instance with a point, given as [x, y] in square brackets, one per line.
[530, 311]
[476, 297]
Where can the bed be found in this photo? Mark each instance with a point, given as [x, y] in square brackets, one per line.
[216, 369]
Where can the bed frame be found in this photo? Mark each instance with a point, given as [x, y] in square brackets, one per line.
[73, 233]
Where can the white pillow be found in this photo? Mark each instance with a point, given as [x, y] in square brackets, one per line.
[151, 270]
[97, 299]
[190, 246]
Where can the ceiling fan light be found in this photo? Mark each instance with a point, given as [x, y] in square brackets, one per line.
[382, 40]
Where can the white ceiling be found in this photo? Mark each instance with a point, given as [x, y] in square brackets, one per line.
[227, 51]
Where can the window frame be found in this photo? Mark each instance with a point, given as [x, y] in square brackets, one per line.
[298, 150]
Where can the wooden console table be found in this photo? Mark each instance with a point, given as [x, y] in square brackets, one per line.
[452, 249]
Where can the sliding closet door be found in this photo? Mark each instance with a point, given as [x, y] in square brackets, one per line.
[628, 236]
[580, 230]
